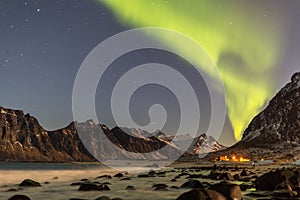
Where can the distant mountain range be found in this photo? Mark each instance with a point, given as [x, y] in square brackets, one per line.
[22, 138]
[275, 132]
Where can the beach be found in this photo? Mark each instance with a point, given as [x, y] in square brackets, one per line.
[62, 181]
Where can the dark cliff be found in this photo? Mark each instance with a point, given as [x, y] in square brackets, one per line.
[275, 132]
[23, 139]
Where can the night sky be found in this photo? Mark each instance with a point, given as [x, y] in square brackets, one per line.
[43, 43]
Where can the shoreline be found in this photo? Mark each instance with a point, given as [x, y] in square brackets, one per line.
[57, 183]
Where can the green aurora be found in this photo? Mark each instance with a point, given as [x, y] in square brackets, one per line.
[240, 37]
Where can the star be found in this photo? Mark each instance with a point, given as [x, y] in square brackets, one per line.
[38, 10]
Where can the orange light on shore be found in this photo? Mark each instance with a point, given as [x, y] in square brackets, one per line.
[244, 159]
[224, 158]
[233, 159]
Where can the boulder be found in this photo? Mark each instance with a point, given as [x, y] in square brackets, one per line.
[118, 175]
[11, 190]
[194, 176]
[76, 199]
[229, 190]
[159, 185]
[93, 187]
[144, 176]
[192, 184]
[103, 198]
[245, 173]
[76, 183]
[125, 179]
[30, 183]
[279, 179]
[196, 194]
[226, 176]
[19, 197]
[104, 176]
[130, 187]
[237, 177]
[161, 188]
[214, 174]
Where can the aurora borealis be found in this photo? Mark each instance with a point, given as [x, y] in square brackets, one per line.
[254, 43]
[241, 38]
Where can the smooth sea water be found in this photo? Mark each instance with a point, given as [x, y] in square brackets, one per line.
[56, 178]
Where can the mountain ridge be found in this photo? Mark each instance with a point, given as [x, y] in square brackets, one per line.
[274, 133]
[22, 138]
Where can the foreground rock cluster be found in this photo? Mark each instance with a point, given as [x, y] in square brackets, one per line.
[192, 183]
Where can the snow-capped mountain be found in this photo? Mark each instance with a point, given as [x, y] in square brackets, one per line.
[202, 144]
[22, 138]
[137, 132]
[205, 144]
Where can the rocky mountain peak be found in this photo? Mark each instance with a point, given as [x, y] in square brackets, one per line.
[296, 79]
[275, 132]
[280, 120]
[203, 136]
[205, 144]
[116, 129]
